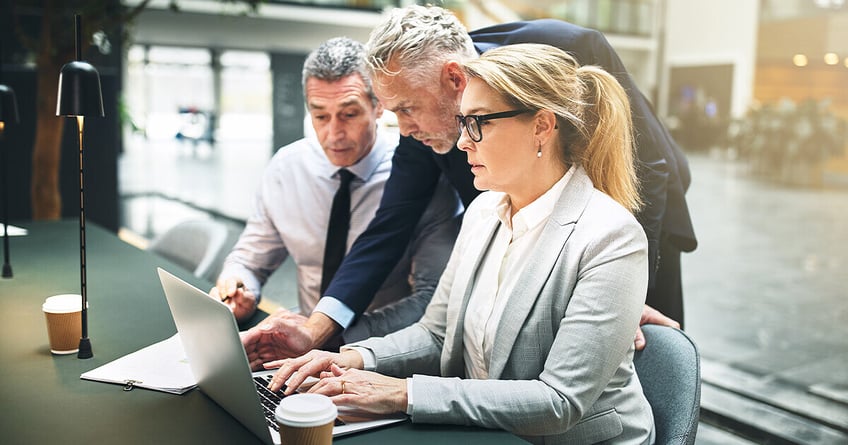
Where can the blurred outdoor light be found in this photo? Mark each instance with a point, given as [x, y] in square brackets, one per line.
[799, 60]
[831, 59]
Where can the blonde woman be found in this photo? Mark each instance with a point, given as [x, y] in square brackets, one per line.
[531, 327]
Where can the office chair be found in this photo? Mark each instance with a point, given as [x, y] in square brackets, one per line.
[670, 371]
[195, 245]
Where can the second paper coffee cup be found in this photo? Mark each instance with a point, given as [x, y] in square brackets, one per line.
[306, 419]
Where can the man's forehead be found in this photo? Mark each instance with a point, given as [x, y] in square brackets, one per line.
[397, 92]
[346, 90]
[347, 83]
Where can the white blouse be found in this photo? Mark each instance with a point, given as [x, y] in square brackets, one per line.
[510, 249]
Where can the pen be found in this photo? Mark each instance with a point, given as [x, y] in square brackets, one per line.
[239, 285]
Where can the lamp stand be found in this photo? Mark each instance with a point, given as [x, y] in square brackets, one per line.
[85, 343]
[7, 266]
[80, 95]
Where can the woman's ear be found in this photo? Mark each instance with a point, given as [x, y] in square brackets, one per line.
[546, 123]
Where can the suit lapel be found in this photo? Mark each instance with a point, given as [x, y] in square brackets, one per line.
[453, 363]
[529, 286]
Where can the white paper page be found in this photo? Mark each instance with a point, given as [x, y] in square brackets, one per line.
[12, 230]
[162, 366]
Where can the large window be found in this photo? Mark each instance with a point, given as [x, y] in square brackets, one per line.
[198, 93]
[245, 95]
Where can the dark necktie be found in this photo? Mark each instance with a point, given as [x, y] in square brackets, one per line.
[334, 250]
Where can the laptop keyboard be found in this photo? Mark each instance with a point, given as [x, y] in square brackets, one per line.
[270, 400]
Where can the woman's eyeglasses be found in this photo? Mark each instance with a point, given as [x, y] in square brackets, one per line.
[473, 122]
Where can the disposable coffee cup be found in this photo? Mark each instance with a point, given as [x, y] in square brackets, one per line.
[64, 322]
[306, 419]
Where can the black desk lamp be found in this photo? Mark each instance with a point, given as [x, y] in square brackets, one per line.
[80, 96]
[8, 115]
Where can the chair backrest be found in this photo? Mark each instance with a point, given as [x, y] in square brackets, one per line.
[669, 369]
[195, 245]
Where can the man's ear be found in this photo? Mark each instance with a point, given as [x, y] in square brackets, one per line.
[454, 76]
[378, 109]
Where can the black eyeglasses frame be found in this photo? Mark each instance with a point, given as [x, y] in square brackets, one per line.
[479, 119]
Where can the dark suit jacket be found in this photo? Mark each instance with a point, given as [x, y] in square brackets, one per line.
[663, 170]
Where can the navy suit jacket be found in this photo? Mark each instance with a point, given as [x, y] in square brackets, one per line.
[663, 170]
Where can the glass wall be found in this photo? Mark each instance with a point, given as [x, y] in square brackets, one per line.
[245, 95]
[192, 114]
[197, 93]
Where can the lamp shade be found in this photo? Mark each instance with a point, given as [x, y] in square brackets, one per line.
[8, 105]
[79, 90]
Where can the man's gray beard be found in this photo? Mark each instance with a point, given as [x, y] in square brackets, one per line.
[445, 150]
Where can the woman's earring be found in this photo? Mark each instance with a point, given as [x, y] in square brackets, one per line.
[539, 153]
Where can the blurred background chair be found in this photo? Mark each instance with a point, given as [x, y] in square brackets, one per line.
[198, 246]
[670, 371]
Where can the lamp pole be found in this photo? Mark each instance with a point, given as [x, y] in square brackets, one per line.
[8, 115]
[80, 96]
[7, 265]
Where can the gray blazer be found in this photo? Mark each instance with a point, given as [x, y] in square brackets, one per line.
[561, 369]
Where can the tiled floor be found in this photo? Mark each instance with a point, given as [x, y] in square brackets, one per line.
[765, 289]
[187, 180]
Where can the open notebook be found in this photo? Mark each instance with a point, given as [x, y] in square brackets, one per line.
[161, 366]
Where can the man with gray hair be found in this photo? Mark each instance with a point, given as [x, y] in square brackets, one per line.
[296, 211]
[416, 57]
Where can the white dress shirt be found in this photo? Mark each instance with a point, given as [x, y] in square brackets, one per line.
[292, 212]
[510, 249]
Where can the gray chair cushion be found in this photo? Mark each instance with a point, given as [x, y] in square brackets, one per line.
[195, 245]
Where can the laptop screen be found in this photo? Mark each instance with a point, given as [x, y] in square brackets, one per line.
[210, 336]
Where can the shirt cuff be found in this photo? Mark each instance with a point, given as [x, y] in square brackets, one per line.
[335, 309]
[369, 360]
[409, 396]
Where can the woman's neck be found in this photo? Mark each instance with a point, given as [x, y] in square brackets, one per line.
[536, 186]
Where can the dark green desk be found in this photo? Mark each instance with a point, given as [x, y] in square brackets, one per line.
[43, 400]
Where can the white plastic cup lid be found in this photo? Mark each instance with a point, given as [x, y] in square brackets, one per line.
[62, 304]
[306, 410]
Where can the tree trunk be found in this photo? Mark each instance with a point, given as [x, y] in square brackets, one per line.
[47, 150]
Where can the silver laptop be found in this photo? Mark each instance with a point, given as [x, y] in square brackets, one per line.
[210, 336]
